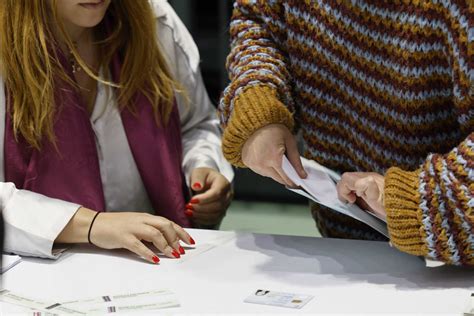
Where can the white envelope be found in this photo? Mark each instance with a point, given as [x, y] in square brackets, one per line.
[320, 187]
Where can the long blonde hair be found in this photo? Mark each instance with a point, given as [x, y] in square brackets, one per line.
[30, 66]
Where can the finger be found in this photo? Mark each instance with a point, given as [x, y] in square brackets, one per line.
[360, 187]
[344, 193]
[209, 214]
[371, 195]
[156, 222]
[276, 164]
[271, 173]
[199, 179]
[137, 247]
[215, 206]
[168, 231]
[294, 157]
[285, 178]
[349, 179]
[219, 187]
[211, 209]
[183, 235]
[373, 192]
[153, 235]
[209, 218]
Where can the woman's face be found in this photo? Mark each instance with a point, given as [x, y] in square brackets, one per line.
[82, 13]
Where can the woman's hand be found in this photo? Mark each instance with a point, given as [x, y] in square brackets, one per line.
[263, 153]
[113, 230]
[368, 186]
[214, 194]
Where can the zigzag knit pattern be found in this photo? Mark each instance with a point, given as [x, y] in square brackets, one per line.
[372, 85]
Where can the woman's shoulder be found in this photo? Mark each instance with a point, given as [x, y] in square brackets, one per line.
[173, 35]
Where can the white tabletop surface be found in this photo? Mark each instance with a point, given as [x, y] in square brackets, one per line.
[345, 276]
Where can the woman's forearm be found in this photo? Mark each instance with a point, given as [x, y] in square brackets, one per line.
[78, 227]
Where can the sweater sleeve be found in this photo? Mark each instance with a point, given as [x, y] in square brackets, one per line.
[259, 91]
[430, 212]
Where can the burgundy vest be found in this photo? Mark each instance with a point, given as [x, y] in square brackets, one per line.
[71, 172]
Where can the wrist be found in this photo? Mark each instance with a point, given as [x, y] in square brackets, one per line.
[77, 228]
[255, 107]
[90, 227]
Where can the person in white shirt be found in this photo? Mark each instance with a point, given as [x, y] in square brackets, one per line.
[105, 123]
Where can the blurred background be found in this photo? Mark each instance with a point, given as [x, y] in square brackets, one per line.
[261, 205]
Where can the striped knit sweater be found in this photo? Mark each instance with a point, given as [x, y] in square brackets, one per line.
[384, 86]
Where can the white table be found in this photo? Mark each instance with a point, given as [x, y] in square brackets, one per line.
[345, 276]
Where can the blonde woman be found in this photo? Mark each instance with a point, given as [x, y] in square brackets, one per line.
[103, 108]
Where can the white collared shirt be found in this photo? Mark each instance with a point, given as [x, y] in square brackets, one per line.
[33, 221]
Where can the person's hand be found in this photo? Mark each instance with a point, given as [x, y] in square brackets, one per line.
[213, 197]
[129, 230]
[368, 186]
[263, 153]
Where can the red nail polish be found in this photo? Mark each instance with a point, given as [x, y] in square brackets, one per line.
[197, 185]
[188, 213]
[176, 254]
[189, 206]
[191, 241]
[155, 259]
[194, 201]
[181, 250]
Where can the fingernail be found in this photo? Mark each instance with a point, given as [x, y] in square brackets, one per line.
[197, 185]
[181, 250]
[191, 241]
[189, 206]
[194, 201]
[155, 259]
[188, 213]
[176, 254]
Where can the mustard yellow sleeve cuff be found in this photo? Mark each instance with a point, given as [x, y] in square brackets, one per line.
[255, 107]
[404, 216]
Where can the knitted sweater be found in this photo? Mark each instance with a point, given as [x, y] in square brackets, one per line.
[383, 86]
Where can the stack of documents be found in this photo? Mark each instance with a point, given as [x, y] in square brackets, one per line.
[123, 303]
[320, 187]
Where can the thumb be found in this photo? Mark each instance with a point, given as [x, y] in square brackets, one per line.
[198, 179]
[293, 156]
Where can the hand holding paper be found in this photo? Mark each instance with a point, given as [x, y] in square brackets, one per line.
[264, 150]
[369, 186]
[320, 187]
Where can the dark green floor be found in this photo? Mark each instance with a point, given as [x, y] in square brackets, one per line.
[270, 218]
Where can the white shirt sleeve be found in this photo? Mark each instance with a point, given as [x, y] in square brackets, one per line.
[199, 123]
[32, 221]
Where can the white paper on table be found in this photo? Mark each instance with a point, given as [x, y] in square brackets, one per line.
[34, 304]
[9, 261]
[469, 310]
[320, 187]
[125, 302]
[433, 263]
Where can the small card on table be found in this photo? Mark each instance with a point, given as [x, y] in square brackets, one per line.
[281, 299]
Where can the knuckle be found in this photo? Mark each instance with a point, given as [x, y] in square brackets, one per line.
[157, 234]
[135, 244]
